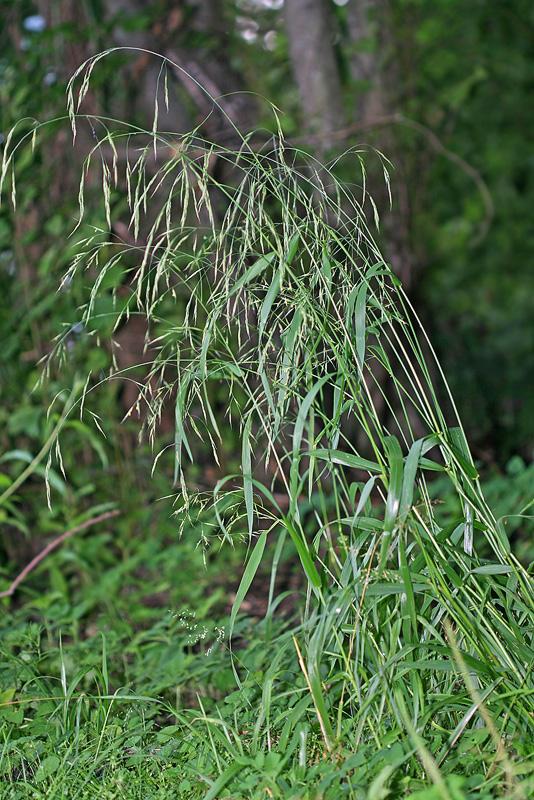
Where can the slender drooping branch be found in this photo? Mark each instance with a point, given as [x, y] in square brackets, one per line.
[48, 549]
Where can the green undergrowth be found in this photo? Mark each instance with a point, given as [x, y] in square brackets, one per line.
[390, 653]
[120, 680]
[131, 700]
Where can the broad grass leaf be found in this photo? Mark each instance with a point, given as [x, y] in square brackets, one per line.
[267, 304]
[298, 432]
[207, 339]
[396, 465]
[248, 576]
[246, 466]
[410, 470]
[326, 271]
[252, 272]
[314, 661]
[222, 780]
[366, 491]
[493, 569]
[503, 536]
[345, 459]
[289, 338]
[387, 588]
[305, 556]
[459, 449]
[292, 248]
[427, 463]
[410, 631]
[360, 323]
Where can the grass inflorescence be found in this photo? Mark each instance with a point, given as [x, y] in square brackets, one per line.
[278, 331]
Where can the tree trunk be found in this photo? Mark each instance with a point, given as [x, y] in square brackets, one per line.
[314, 66]
[362, 24]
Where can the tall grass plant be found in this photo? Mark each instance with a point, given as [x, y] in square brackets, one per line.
[274, 318]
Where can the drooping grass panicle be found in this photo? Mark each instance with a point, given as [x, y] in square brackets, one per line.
[260, 280]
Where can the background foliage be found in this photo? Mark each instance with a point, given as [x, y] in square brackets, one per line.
[459, 74]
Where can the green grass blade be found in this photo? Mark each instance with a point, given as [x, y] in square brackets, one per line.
[393, 500]
[246, 466]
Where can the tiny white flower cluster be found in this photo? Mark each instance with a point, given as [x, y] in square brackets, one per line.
[197, 632]
[220, 636]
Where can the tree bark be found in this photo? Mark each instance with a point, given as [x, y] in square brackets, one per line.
[362, 24]
[314, 66]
